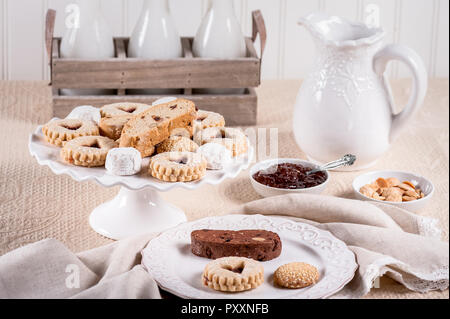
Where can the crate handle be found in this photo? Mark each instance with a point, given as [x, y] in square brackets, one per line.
[259, 26]
[49, 29]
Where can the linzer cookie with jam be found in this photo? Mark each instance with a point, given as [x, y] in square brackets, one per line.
[156, 124]
[261, 245]
[123, 108]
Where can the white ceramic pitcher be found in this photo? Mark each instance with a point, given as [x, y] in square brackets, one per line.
[87, 36]
[220, 36]
[155, 37]
[345, 105]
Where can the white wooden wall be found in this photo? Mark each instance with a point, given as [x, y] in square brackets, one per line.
[420, 24]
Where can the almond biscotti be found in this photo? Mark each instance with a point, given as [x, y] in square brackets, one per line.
[112, 126]
[155, 125]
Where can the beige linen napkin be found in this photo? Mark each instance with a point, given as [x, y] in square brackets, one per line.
[47, 269]
[385, 239]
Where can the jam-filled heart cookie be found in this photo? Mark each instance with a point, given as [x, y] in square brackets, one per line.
[233, 274]
[232, 138]
[207, 119]
[178, 166]
[296, 275]
[88, 151]
[125, 108]
[59, 131]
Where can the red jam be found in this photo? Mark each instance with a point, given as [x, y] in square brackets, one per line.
[289, 176]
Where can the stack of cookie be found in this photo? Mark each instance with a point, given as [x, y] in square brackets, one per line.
[182, 141]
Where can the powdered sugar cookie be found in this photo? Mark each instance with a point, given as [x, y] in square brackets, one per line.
[85, 113]
[124, 161]
[217, 155]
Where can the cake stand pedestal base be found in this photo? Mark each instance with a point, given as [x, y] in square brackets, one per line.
[135, 212]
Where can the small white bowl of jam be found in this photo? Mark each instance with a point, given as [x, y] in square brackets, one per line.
[287, 176]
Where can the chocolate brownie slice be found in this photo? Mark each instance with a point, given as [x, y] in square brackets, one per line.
[260, 245]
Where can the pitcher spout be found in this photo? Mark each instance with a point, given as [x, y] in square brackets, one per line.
[339, 32]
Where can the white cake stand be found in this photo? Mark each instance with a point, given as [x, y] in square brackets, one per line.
[137, 208]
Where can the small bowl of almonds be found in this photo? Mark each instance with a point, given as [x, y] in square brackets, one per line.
[402, 189]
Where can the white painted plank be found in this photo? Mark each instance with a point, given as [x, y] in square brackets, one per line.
[26, 43]
[188, 15]
[238, 8]
[2, 44]
[238, 5]
[112, 11]
[289, 51]
[416, 30]
[299, 51]
[60, 7]
[345, 8]
[442, 52]
[134, 9]
[271, 14]
[383, 12]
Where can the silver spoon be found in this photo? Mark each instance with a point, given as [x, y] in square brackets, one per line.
[347, 160]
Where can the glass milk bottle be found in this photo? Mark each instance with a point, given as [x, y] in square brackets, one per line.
[220, 36]
[155, 37]
[87, 36]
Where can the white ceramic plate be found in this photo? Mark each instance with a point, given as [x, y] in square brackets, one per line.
[49, 155]
[170, 262]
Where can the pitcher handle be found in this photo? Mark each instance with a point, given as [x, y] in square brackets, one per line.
[419, 85]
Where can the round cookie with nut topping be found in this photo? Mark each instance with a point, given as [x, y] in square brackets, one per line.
[296, 275]
[233, 274]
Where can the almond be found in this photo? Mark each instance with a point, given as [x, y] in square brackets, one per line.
[392, 181]
[408, 198]
[406, 187]
[410, 184]
[367, 190]
[382, 183]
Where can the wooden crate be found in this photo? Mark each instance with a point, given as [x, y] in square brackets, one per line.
[186, 74]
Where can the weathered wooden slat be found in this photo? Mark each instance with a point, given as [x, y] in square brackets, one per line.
[138, 73]
[187, 53]
[238, 110]
[121, 54]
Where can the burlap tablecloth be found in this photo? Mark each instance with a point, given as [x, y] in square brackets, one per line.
[36, 204]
